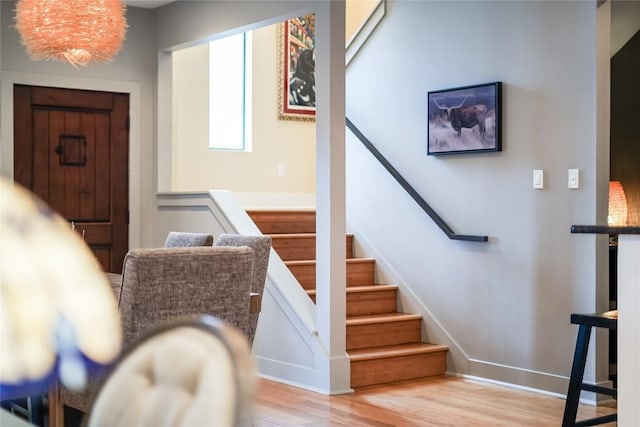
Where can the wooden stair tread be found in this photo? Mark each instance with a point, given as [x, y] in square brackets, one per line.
[359, 289]
[380, 318]
[381, 288]
[292, 235]
[296, 235]
[275, 221]
[395, 351]
[313, 261]
[280, 211]
[283, 215]
[383, 344]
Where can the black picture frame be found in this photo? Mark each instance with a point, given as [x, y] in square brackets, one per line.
[465, 119]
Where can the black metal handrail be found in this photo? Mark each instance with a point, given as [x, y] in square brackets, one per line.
[412, 192]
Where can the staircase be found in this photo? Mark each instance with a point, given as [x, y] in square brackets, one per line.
[383, 344]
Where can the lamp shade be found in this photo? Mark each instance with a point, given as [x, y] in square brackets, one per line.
[56, 305]
[76, 31]
[617, 204]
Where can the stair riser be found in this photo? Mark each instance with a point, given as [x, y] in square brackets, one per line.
[358, 274]
[381, 334]
[297, 248]
[284, 222]
[379, 371]
[386, 348]
[373, 302]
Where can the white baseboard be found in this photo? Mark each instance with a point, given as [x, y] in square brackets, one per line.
[529, 380]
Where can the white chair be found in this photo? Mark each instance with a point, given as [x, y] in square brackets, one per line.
[192, 372]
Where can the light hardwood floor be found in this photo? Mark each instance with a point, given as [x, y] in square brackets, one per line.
[441, 401]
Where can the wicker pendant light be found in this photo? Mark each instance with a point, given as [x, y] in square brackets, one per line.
[76, 31]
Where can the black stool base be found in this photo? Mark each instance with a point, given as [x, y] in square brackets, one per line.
[586, 322]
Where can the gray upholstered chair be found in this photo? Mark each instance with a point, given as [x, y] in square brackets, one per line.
[176, 239]
[261, 246]
[191, 372]
[162, 284]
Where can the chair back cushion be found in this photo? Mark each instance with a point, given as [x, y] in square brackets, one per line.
[177, 239]
[186, 374]
[166, 283]
[261, 246]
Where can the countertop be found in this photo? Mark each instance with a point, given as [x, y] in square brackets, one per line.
[606, 229]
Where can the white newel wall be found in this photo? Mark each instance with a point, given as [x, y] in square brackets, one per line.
[628, 330]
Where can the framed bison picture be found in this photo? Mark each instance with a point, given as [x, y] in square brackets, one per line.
[465, 119]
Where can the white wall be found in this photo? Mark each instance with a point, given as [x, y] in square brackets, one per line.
[357, 11]
[132, 71]
[208, 20]
[145, 62]
[504, 305]
[275, 142]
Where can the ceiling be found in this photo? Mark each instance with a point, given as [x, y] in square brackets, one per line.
[147, 4]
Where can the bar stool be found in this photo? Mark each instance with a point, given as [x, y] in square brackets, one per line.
[608, 320]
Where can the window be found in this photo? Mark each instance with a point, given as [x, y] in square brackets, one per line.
[230, 93]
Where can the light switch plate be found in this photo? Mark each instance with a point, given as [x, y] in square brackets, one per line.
[538, 179]
[573, 178]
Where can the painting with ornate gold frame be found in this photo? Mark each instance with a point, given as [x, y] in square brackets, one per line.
[296, 69]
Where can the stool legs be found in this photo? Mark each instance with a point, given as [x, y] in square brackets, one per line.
[577, 374]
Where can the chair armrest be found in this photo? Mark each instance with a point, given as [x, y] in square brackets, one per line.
[255, 302]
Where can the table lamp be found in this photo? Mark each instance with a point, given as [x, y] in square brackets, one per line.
[617, 204]
[617, 215]
[58, 314]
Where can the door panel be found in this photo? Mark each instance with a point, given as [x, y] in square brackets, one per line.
[71, 149]
[76, 182]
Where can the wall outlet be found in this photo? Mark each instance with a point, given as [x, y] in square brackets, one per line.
[282, 170]
[538, 179]
[573, 178]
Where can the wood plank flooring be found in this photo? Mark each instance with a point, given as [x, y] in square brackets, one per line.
[441, 401]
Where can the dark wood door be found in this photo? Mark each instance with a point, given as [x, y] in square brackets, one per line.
[71, 148]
